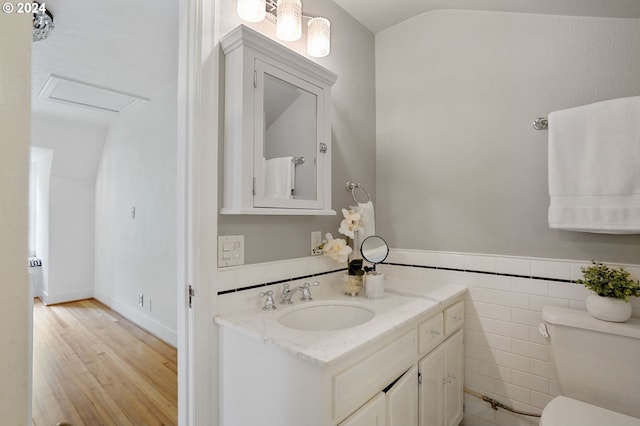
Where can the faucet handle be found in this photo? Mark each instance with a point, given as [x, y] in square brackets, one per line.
[306, 292]
[269, 304]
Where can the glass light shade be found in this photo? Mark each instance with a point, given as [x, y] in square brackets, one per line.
[319, 37]
[289, 20]
[251, 10]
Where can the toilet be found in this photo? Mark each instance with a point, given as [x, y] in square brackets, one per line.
[598, 366]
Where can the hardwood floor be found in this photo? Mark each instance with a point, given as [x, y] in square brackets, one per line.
[93, 367]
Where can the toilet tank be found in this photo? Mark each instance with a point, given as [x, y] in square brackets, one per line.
[597, 362]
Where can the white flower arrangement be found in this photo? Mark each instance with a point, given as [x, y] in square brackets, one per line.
[337, 248]
[351, 223]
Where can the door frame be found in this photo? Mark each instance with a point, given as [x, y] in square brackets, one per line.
[197, 156]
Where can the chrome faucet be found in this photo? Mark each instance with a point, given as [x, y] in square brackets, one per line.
[287, 292]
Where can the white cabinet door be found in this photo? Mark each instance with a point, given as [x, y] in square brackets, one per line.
[402, 400]
[442, 380]
[431, 390]
[370, 414]
[454, 379]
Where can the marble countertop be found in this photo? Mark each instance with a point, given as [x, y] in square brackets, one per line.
[403, 302]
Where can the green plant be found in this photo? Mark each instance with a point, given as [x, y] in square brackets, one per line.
[609, 282]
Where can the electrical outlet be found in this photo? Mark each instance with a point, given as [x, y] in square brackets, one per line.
[141, 299]
[316, 242]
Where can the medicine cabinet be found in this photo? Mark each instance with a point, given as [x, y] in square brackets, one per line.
[277, 129]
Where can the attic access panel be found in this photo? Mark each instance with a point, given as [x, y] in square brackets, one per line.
[76, 93]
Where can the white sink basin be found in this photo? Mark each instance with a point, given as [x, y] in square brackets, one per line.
[318, 316]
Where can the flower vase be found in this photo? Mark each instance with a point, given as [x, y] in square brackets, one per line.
[352, 284]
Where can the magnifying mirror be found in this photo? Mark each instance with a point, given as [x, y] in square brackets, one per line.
[374, 249]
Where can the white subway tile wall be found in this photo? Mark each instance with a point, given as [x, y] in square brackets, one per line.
[506, 358]
[239, 287]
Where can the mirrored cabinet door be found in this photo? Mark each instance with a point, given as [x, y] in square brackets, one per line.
[288, 122]
[277, 157]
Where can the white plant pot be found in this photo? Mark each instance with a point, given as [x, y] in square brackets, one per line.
[608, 308]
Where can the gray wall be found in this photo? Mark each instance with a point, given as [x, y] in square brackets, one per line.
[459, 167]
[270, 238]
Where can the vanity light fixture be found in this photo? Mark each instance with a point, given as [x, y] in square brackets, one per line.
[288, 17]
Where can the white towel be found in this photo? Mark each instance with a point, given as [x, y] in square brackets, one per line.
[368, 221]
[280, 176]
[594, 167]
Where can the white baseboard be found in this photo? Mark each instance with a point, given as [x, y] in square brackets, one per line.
[159, 330]
[55, 298]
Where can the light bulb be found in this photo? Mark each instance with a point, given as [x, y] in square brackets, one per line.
[289, 20]
[251, 10]
[318, 37]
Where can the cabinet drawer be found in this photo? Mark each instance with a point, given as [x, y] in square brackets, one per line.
[357, 384]
[430, 333]
[453, 318]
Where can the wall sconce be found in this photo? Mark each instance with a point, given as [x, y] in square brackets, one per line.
[288, 17]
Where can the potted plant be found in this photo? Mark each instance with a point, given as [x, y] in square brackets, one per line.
[612, 288]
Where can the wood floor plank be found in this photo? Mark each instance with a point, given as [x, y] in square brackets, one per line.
[93, 367]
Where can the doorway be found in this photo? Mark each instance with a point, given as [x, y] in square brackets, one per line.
[114, 171]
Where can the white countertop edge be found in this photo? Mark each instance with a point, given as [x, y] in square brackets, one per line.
[324, 348]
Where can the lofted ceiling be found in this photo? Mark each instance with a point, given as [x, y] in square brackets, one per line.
[130, 46]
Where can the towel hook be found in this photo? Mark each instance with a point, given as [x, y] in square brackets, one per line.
[352, 186]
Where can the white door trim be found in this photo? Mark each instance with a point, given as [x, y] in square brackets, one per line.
[197, 158]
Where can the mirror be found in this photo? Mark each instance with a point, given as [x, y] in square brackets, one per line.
[374, 249]
[290, 130]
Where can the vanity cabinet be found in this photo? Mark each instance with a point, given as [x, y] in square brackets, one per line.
[412, 376]
[277, 129]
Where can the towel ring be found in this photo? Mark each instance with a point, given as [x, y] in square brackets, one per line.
[352, 186]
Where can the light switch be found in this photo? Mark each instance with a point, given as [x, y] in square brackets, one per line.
[230, 250]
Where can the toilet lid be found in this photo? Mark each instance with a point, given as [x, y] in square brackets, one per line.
[563, 411]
